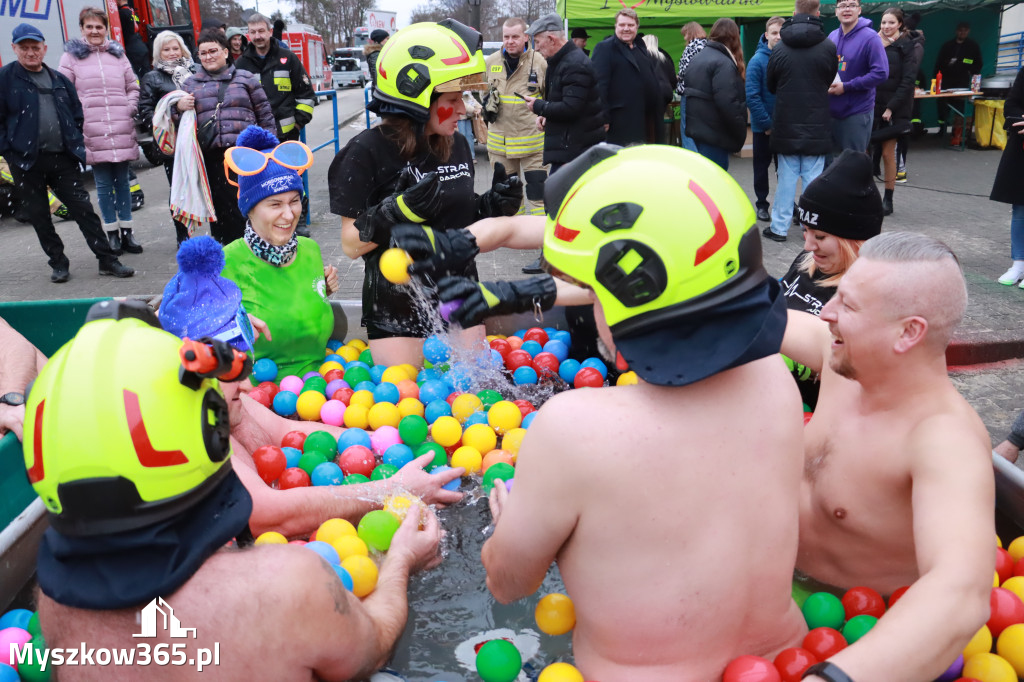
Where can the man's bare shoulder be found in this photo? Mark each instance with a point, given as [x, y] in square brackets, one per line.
[956, 431]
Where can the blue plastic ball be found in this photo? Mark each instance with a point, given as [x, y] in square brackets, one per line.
[596, 363]
[528, 419]
[434, 389]
[292, 457]
[365, 386]
[353, 436]
[334, 344]
[532, 347]
[325, 550]
[436, 349]
[398, 455]
[476, 418]
[335, 358]
[358, 363]
[549, 331]
[344, 576]
[561, 335]
[376, 372]
[450, 485]
[264, 369]
[558, 349]
[496, 359]
[435, 409]
[568, 369]
[459, 378]
[327, 473]
[16, 618]
[386, 393]
[284, 403]
[8, 674]
[521, 333]
[428, 374]
[525, 375]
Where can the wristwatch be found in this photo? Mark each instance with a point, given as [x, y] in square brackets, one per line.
[12, 399]
[827, 671]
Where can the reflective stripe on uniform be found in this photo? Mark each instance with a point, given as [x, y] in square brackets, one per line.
[287, 124]
[283, 81]
[514, 146]
[304, 105]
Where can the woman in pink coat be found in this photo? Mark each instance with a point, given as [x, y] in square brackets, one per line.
[109, 92]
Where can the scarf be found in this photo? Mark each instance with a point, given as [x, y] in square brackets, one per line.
[886, 42]
[264, 250]
[179, 69]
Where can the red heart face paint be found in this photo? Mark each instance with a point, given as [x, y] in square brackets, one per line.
[444, 113]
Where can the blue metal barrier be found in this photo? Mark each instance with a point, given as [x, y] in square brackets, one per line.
[333, 95]
[1010, 53]
[367, 96]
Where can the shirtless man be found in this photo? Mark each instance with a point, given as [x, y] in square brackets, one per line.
[124, 534]
[649, 496]
[20, 362]
[898, 486]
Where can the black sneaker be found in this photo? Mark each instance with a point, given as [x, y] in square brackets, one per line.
[60, 275]
[762, 215]
[767, 232]
[533, 268]
[303, 231]
[116, 269]
[796, 214]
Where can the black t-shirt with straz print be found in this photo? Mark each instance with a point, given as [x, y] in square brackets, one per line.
[805, 293]
[366, 171]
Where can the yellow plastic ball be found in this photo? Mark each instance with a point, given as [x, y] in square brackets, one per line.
[504, 416]
[350, 545]
[1016, 548]
[329, 365]
[446, 431]
[410, 371]
[469, 458]
[364, 574]
[364, 398]
[1015, 585]
[481, 437]
[1011, 647]
[309, 404]
[995, 578]
[358, 344]
[465, 405]
[348, 353]
[394, 265]
[555, 614]
[627, 379]
[560, 672]
[399, 504]
[356, 417]
[384, 414]
[981, 643]
[986, 667]
[407, 406]
[271, 537]
[332, 529]
[392, 375]
[512, 440]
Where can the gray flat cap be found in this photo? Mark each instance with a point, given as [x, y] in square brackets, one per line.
[548, 22]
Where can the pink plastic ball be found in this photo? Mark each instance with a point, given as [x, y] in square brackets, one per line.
[291, 383]
[333, 412]
[383, 438]
[9, 636]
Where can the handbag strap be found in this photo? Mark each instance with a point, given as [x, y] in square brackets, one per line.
[221, 91]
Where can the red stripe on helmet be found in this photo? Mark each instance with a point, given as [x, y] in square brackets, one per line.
[721, 236]
[561, 231]
[35, 472]
[463, 57]
[148, 455]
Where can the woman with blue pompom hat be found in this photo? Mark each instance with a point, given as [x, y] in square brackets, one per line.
[282, 276]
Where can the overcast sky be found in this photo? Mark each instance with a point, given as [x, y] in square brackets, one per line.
[402, 7]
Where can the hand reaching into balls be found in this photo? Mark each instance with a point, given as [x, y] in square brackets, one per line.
[419, 547]
[428, 487]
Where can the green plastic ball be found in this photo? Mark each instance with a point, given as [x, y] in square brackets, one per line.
[34, 628]
[354, 478]
[499, 470]
[413, 430]
[357, 375]
[440, 456]
[488, 397]
[824, 610]
[311, 460]
[366, 357]
[322, 441]
[318, 384]
[377, 528]
[383, 471]
[858, 626]
[32, 672]
[498, 661]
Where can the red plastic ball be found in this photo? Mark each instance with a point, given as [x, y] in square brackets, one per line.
[791, 663]
[860, 600]
[807, 417]
[357, 459]
[514, 342]
[588, 377]
[1007, 610]
[536, 334]
[525, 406]
[293, 439]
[293, 478]
[333, 375]
[516, 359]
[262, 397]
[344, 395]
[546, 364]
[1019, 568]
[502, 346]
[270, 462]
[895, 596]
[824, 642]
[1004, 565]
[751, 669]
[270, 387]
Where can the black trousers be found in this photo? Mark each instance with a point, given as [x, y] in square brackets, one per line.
[62, 172]
[180, 231]
[763, 158]
[230, 223]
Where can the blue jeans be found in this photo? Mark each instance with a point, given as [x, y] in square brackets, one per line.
[688, 142]
[713, 153]
[466, 128]
[791, 168]
[1017, 232]
[112, 191]
[852, 132]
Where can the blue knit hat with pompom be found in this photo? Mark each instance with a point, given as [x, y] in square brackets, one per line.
[198, 302]
[274, 179]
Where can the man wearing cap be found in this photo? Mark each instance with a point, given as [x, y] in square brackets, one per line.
[647, 547]
[579, 38]
[958, 61]
[898, 486]
[371, 50]
[571, 115]
[41, 139]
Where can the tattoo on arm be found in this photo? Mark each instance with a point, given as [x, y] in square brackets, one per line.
[336, 590]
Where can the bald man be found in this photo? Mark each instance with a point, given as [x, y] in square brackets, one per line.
[898, 485]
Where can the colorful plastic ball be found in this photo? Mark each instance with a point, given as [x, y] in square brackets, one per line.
[792, 662]
[366, 357]
[333, 344]
[498, 661]
[367, 387]
[350, 437]
[394, 265]
[555, 614]
[531, 347]
[348, 354]
[1015, 585]
[12, 636]
[988, 667]
[357, 459]
[588, 377]
[516, 359]
[285, 402]
[512, 440]
[332, 529]
[863, 600]
[413, 430]
[384, 414]
[383, 471]
[9, 674]
[327, 473]
[377, 374]
[495, 457]
[953, 671]
[1011, 647]
[481, 437]
[440, 456]
[398, 455]
[356, 374]
[528, 419]
[376, 529]
[354, 479]
[323, 441]
[400, 504]
[560, 672]
[434, 389]
[568, 369]
[446, 308]
[333, 412]
[524, 375]
[824, 610]
[535, 334]
[350, 545]
[311, 460]
[263, 397]
[344, 395]
[436, 350]
[515, 341]
[325, 550]
[1004, 565]
[364, 574]
[502, 346]
[504, 416]
[292, 384]
[525, 407]
[629, 378]
[465, 405]
[1006, 610]
[488, 397]
[271, 537]
[34, 628]
[428, 374]
[332, 363]
[264, 369]
[558, 349]
[468, 458]
[751, 669]
[270, 464]
[502, 470]
[309, 375]
[546, 364]
[896, 594]
[596, 363]
[293, 478]
[824, 642]
[857, 627]
[16, 618]
[476, 418]
[561, 335]
[446, 431]
[291, 457]
[460, 378]
[357, 417]
[344, 576]
[450, 485]
[980, 642]
[392, 375]
[411, 406]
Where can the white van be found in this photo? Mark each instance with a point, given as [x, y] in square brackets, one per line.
[346, 72]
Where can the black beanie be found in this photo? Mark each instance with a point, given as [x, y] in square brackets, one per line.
[843, 200]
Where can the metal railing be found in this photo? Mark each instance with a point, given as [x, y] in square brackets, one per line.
[1010, 53]
[333, 95]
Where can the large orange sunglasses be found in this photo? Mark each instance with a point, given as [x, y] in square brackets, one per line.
[246, 161]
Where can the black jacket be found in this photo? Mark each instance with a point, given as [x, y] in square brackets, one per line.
[958, 62]
[19, 115]
[286, 83]
[630, 89]
[1009, 184]
[897, 92]
[575, 119]
[154, 85]
[716, 99]
[802, 66]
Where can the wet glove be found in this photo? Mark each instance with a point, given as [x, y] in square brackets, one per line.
[411, 203]
[504, 197]
[435, 254]
[484, 299]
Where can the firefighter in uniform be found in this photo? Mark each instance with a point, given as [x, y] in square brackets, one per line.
[512, 135]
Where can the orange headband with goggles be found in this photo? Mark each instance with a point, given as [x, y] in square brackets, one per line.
[247, 161]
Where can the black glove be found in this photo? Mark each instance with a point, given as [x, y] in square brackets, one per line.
[504, 197]
[483, 299]
[435, 254]
[410, 203]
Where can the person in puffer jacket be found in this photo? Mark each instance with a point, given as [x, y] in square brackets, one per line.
[236, 100]
[106, 85]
